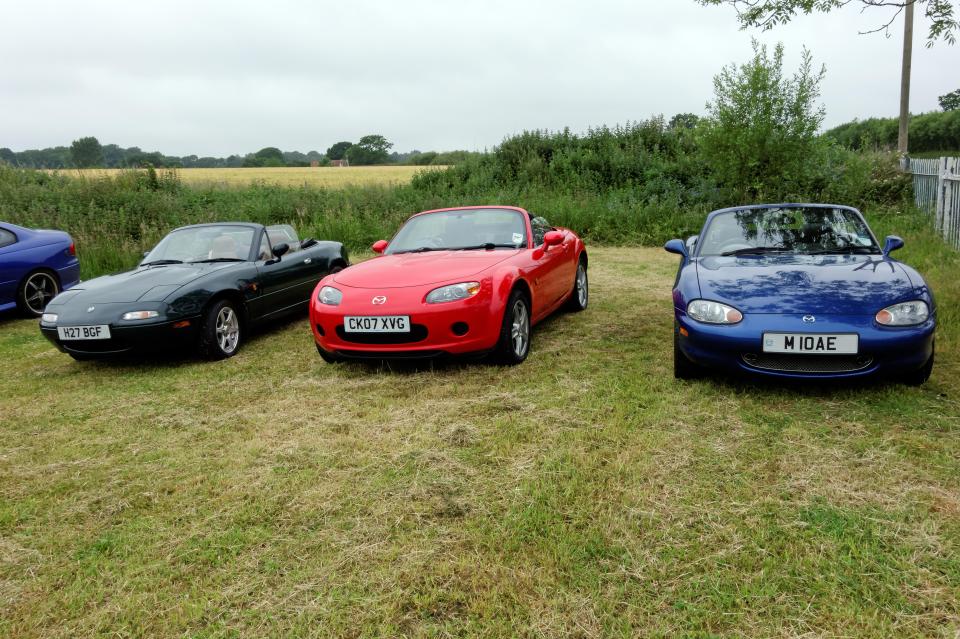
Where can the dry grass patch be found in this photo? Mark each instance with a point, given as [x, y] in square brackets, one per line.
[583, 494]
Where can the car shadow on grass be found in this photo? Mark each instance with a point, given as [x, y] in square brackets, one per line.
[815, 388]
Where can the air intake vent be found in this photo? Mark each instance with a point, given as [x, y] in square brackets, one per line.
[808, 363]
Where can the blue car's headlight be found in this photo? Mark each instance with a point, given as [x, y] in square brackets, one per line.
[904, 314]
[453, 292]
[713, 312]
[330, 296]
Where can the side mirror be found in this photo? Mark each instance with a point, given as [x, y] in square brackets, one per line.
[280, 249]
[379, 246]
[676, 246]
[891, 243]
[552, 238]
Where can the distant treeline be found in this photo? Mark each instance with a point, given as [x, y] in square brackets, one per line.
[89, 153]
[938, 131]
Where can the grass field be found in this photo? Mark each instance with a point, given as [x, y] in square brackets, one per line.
[328, 177]
[584, 493]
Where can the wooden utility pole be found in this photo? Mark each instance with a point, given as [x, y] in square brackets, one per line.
[905, 78]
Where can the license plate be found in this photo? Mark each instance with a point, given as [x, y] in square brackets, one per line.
[811, 343]
[84, 332]
[377, 324]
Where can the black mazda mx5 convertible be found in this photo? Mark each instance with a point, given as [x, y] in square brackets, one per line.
[201, 288]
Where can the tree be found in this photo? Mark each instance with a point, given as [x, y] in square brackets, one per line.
[339, 150]
[371, 149]
[267, 156]
[8, 156]
[683, 121]
[759, 137]
[950, 101]
[86, 152]
[767, 14]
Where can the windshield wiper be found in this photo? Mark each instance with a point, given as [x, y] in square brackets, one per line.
[489, 246]
[846, 249]
[159, 262]
[218, 259]
[757, 250]
[422, 249]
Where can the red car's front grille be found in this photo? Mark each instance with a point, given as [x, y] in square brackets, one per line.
[418, 333]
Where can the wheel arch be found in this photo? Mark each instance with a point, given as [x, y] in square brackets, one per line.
[234, 296]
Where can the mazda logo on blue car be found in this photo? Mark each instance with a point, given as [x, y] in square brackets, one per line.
[809, 319]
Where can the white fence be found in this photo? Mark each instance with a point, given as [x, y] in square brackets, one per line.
[936, 189]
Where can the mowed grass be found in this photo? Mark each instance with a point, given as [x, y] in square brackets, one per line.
[326, 177]
[585, 493]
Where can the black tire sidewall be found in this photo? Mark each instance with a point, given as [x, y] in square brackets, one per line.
[504, 352]
[209, 345]
[22, 291]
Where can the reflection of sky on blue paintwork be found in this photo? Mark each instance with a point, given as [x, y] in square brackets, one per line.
[840, 284]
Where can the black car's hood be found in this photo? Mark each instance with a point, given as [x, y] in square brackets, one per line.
[834, 284]
[147, 283]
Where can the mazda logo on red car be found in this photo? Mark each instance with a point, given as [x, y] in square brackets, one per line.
[379, 299]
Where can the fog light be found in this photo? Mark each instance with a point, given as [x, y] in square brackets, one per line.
[320, 330]
[460, 328]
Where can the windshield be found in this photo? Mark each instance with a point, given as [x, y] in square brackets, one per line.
[461, 229]
[203, 243]
[795, 230]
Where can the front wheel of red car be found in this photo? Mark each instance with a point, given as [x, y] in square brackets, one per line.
[514, 343]
[329, 358]
[580, 296]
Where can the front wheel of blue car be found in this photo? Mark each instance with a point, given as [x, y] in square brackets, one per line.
[683, 368]
[919, 376]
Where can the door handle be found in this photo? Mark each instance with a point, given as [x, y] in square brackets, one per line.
[308, 260]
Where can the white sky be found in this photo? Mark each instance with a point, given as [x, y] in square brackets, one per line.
[217, 77]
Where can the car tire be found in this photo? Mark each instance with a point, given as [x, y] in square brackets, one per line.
[514, 343]
[329, 358]
[35, 292]
[221, 333]
[683, 368]
[920, 375]
[580, 295]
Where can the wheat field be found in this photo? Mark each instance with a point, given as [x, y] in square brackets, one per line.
[329, 177]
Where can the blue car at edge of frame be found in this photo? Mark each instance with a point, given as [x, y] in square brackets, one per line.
[35, 266]
[799, 291]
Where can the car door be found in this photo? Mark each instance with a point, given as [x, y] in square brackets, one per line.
[549, 270]
[278, 284]
[10, 270]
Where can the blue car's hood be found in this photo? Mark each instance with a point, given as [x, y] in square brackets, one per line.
[829, 284]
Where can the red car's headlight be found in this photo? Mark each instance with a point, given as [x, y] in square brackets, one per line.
[453, 292]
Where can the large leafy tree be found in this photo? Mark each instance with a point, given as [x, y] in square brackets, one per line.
[950, 101]
[86, 152]
[338, 151]
[761, 128]
[371, 149]
[767, 14]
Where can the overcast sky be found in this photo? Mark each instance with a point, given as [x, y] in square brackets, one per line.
[217, 77]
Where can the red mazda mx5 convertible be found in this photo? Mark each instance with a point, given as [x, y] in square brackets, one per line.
[456, 281]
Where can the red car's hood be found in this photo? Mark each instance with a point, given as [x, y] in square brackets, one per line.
[418, 269]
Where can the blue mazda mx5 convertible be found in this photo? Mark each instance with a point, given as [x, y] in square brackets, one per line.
[799, 290]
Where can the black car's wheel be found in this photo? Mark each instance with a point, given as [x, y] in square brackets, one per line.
[222, 332]
[580, 296]
[683, 368]
[514, 343]
[329, 358]
[919, 376]
[36, 291]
